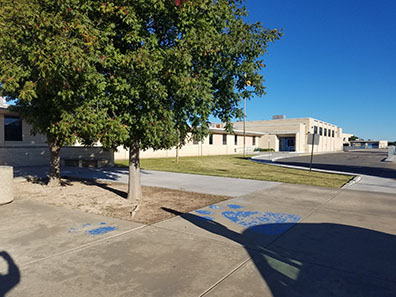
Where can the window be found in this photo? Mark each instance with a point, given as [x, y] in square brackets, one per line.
[254, 140]
[325, 132]
[329, 133]
[315, 129]
[236, 140]
[332, 133]
[195, 141]
[224, 139]
[320, 131]
[211, 139]
[12, 128]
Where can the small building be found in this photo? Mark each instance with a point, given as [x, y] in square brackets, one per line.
[368, 144]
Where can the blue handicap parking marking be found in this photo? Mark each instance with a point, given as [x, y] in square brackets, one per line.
[204, 212]
[263, 222]
[269, 223]
[234, 206]
[215, 206]
[101, 230]
[92, 229]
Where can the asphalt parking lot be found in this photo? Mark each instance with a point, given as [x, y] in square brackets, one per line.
[367, 162]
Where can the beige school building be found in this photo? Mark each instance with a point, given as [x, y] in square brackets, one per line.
[288, 135]
[19, 148]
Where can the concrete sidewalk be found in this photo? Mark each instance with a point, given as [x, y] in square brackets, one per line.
[286, 240]
[188, 182]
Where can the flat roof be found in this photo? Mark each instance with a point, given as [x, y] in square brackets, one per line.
[236, 132]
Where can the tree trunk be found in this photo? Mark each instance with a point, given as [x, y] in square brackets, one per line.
[54, 168]
[177, 155]
[134, 187]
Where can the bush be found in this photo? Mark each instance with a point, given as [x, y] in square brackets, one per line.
[259, 149]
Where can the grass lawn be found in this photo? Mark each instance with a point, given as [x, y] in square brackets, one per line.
[239, 167]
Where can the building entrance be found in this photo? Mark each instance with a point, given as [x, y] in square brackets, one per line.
[287, 144]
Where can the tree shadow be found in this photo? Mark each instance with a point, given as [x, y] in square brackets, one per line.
[11, 278]
[314, 259]
[365, 170]
[102, 185]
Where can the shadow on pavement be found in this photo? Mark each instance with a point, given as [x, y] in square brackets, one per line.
[313, 259]
[11, 278]
[366, 170]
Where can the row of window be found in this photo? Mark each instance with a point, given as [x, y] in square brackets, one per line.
[12, 128]
[13, 132]
[225, 139]
[327, 132]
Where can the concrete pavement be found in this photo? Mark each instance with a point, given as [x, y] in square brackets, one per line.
[286, 240]
[188, 182]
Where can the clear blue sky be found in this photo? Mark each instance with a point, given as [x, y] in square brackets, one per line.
[336, 62]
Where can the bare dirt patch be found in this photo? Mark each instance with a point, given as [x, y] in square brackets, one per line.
[108, 199]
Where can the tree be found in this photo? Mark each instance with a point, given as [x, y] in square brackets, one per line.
[171, 64]
[49, 51]
[353, 138]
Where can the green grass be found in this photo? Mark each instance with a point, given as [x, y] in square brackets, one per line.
[239, 167]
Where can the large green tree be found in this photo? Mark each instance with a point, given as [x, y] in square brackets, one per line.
[49, 51]
[171, 64]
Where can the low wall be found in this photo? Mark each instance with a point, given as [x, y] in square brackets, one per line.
[39, 155]
[6, 184]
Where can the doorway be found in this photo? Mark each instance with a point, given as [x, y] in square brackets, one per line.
[287, 144]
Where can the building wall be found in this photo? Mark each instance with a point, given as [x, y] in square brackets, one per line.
[39, 155]
[326, 143]
[33, 150]
[201, 149]
[299, 128]
[383, 144]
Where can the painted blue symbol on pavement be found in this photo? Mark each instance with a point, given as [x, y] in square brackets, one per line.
[234, 206]
[215, 206]
[263, 222]
[269, 223]
[204, 212]
[97, 230]
[101, 230]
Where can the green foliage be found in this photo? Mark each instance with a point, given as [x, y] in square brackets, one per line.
[353, 138]
[48, 61]
[120, 71]
[170, 66]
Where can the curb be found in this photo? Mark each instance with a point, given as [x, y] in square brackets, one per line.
[268, 162]
[355, 180]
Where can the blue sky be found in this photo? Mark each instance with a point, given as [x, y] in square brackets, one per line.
[336, 62]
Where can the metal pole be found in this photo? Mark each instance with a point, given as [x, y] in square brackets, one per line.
[313, 143]
[244, 128]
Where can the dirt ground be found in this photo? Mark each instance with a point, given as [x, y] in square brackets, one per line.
[108, 199]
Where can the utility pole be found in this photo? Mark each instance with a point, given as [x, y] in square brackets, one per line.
[312, 151]
[244, 127]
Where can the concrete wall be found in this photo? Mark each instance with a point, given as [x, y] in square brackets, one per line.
[39, 155]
